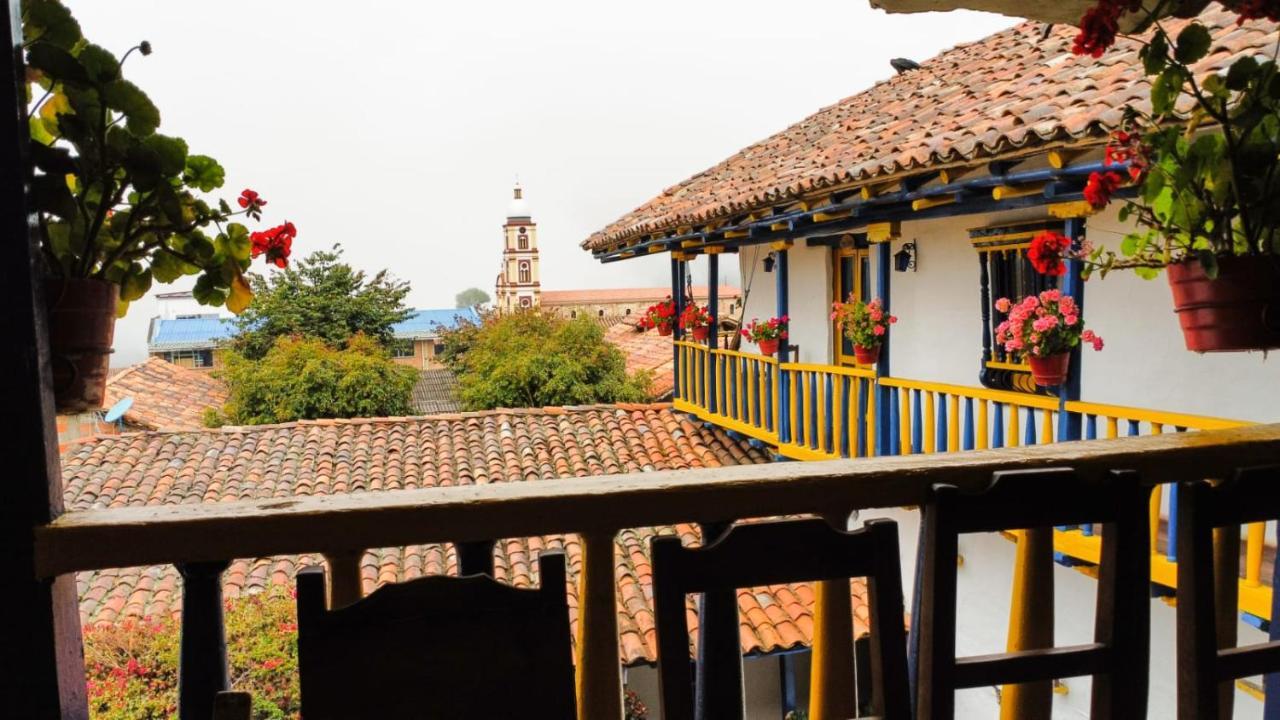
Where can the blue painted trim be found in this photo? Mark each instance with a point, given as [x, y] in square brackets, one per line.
[713, 309]
[997, 425]
[885, 433]
[828, 420]
[1073, 285]
[782, 290]
[1172, 551]
[1091, 427]
[863, 441]
[846, 386]
[1029, 436]
[940, 441]
[967, 442]
[811, 380]
[677, 271]
[917, 423]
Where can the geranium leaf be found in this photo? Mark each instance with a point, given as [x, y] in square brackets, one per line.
[141, 115]
[1193, 44]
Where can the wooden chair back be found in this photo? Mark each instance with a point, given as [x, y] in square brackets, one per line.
[231, 705]
[438, 648]
[1118, 657]
[1206, 672]
[769, 553]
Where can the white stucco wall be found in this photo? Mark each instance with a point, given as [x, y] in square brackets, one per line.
[938, 336]
[761, 680]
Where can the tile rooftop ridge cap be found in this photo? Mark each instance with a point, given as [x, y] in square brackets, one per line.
[131, 369]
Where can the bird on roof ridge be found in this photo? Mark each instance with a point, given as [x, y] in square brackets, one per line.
[904, 65]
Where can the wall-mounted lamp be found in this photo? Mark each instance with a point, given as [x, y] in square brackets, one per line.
[768, 263]
[905, 259]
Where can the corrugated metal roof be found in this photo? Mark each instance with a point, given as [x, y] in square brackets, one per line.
[427, 323]
[190, 333]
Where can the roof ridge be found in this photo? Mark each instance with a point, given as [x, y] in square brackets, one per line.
[130, 369]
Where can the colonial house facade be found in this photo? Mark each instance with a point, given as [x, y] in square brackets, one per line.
[925, 191]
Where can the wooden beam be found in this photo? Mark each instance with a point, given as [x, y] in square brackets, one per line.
[829, 216]
[1060, 158]
[149, 535]
[713, 249]
[831, 690]
[1007, 192]
[950, 175]
[932, 202]
[41, 656]
[884, 232]
[599, 671]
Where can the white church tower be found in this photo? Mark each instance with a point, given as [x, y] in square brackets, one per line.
[518, 283]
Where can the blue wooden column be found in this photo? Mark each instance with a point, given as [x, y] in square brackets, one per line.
[1073, 285]
[713, 308]
[885, 432]
[783, 292]
[677, 294]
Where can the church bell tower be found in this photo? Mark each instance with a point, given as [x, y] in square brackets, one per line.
[518, 283]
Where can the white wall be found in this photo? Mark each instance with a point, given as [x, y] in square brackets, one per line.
[939, 333]
[761, 679]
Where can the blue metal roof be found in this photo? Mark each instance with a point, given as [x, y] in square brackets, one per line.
[190, 333]
[198, 333]
[428, 323]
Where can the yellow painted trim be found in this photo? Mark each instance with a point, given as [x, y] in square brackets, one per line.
[1017, 367]
[1001, 396]
[857, 372]
[884, 231]
[778, 226]
[829, 216]
[950, 175]
[1067, 210]
[690, 243]
[904, 420]
[680, 255]
[732, 234]
[713, 250]
[781, 244]
[870, 191]
[932, 202]
[654, 249]
[1155, 417]
[684, 229]
[953, 424]
[1006, 192]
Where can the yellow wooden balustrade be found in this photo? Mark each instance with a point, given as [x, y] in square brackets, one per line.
[975, 418]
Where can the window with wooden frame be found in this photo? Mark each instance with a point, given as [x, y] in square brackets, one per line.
[851, 276]
[1005, 271]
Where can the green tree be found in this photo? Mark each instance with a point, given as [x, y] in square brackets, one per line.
[471, 298]
[320, 297]
[528, 359]
[305, 378]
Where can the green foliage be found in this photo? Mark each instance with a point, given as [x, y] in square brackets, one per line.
[320, 297]
[471, 298]
[528, 359]
[213, 418]
[306, 379]
[116, 200]
[1208, 185]
[132, 666]
[457, 341]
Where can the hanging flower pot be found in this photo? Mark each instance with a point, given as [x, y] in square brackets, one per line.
[1049, 371]
[701, 332]
[866, 355]
[82, 321]
[768, 347]
[664, 330]
[1239, 310]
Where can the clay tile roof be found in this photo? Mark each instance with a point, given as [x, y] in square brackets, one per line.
[436, 392]
[342, 456]
[1001, 96]
[646, 351]
[165, 396]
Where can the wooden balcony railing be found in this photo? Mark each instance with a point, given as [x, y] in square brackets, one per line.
[202, 537]
[826, 412]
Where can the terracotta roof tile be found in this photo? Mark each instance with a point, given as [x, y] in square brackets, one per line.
[165, 396]
[997, 97]
[337, 456]
[436, 392]
[646, 351]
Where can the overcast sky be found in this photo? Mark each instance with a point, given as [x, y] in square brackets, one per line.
[398, 128]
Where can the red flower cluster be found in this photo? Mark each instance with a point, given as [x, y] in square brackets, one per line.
[252, 203]
[661, 316]
[773, 329]
[1100, 188]
[1257, 9]
[1128, 147]
[695, 317]
[1047, 251]
[276, 243]
[1100, 24]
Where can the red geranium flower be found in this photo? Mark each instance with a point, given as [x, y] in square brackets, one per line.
[1099, 26]
[1100, 188]
[1047, 251]
[1256, 9]
[252, 203]
[276, 243]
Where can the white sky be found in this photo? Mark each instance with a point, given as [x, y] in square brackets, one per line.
[397, 128]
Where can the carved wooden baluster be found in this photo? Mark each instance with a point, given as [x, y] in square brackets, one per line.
[202, 660]
[718, 689]
[599, 672]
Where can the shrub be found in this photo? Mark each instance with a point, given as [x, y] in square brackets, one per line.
[132, 666]
[305, 379]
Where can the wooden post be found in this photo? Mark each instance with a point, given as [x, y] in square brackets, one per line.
[718, 691]
[599, 671]
[884, 431]
[1031, 622]
[202, 660]
[677, 295]
[782, 291]
[1226, 601]
[1073, 285]
[832, 693]
[715, 401]
[41, 656]
[345, 585]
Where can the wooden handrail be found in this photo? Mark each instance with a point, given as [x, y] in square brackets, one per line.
[132, 536]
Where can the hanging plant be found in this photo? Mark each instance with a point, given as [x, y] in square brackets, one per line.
[119, 205]
[661, 316]
[1202, 156]
[1044, 329]
[866, 325]
[697, 320]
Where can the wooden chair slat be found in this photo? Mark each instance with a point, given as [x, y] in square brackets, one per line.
[1030, 665]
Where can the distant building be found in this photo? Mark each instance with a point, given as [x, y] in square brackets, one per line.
[184, 336]
[519, 283]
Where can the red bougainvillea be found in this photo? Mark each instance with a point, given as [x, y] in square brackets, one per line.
[1100, 188]
[1099, 26]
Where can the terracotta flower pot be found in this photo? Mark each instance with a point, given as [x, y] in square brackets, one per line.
[82, 321]
[768, 347]
[1049, 371]
[866, 355]
[664, 330]
[1240, 310]
[700, 333]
